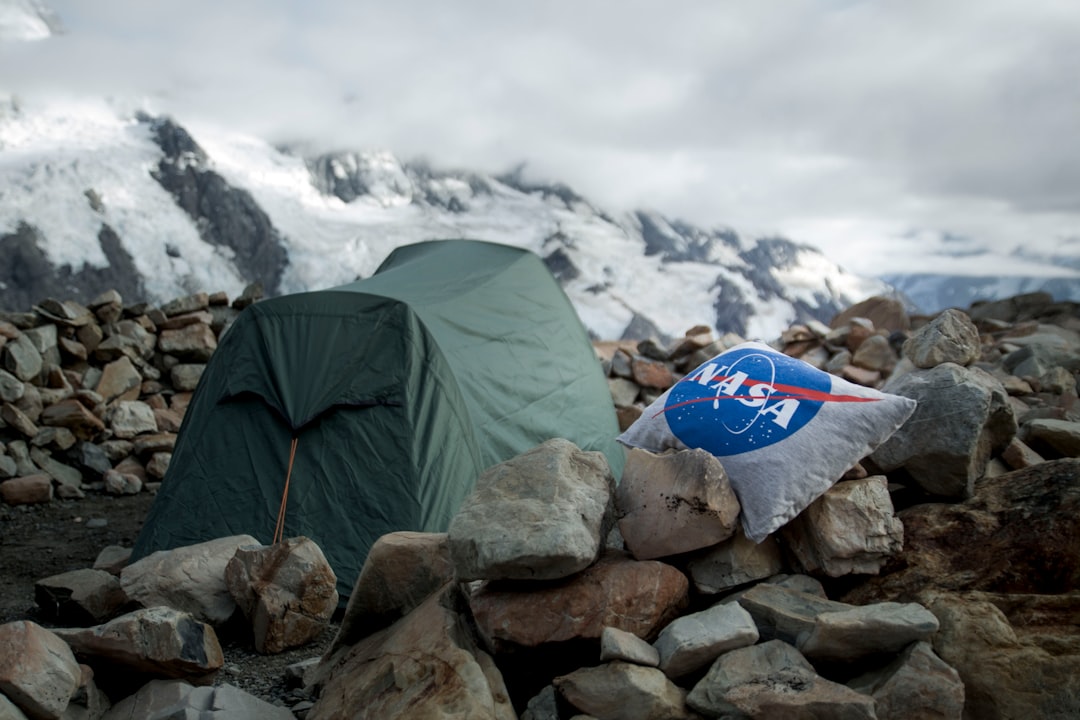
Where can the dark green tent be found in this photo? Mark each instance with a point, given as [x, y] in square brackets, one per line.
[399, 389]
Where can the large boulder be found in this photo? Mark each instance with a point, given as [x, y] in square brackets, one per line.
[962, 418]
[38, 671]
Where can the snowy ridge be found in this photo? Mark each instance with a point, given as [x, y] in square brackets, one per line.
[69, 170]
[26, 20]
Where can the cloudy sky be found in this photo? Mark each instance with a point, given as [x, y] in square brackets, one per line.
[893, 134]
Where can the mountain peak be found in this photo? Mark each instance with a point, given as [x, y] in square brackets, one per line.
[27, 21]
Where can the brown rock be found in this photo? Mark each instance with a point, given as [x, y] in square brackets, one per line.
[1015, 534]
[73, 415]
[426, 665]
[179, 321]
[37, 669]
[636, 596]
[117, 378]
[80, 597]
[168, 421]
[286, 591]
[885, 313]
[195, 342]
[17, 420]
[27, 490]
[651, 373]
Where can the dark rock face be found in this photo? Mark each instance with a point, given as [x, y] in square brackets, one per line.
[1017, 534]
[226, 216]
[27, 276]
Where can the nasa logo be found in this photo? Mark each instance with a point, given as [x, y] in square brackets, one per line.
[744, 400]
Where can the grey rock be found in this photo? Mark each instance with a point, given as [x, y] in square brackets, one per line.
[542, 706]
[734, 562]
[917, 684]
[616, 644]
[80, 597]
[623, 392]
[180, 700]
[963, 417]
[11, 387]
[130, 418]
[773, 680]
[865, 630]
[623, 691]
[691, 642]
[185, 376]
[949, 337]
[38, 671]
[852, 528]
[66, 476]
[541, 515]
[1053, 438]
[22, 359]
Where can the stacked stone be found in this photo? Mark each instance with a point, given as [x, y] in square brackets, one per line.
[93, 396]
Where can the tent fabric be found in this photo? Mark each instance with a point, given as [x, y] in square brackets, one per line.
[400, 389]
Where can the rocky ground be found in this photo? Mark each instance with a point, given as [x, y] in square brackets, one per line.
[38, 541]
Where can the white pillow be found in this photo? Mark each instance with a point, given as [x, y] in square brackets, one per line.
[783, 430]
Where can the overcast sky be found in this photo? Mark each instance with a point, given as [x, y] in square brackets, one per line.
[868, 128]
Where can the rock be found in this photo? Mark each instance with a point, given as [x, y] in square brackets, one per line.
[832, 631]
[17, 420]
[538, 516]
[112, 559]
[623, 691]
[88, 702]
[117, 378]
[27, 490]
[128, 419]
[1052, 438]
[917, 684]
[38, 671]
[188, 304]
[11, 711]
[773, 680]
[11, 387]
[401, 570]
[21, 358]
[174, 322]
[962, 418]
[158, 465]
[861, 376]
[74, 416]
[68, 479]
[692, 642]
[8, 467]
[1003, 676]
[190, 579]
[651, 373]
[542, 706]
[849, 529]
[20, 453]
[875, 354]
[80, 597]
[734, 562]
[159, 642]
[426, 665]
[616, 644]
[1017, 455]
[673, 503]
[176, 699]
[120, 483]
[90, 457]
[286, 590]
[623, 392]
[56, 437]
[950, 337]
[1016, 534]
[168, 421]
[636, 596]
[185, 376]
[883, 312]
[194, 343]
[154, 443]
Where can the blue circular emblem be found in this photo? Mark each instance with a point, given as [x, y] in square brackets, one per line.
[745, 399]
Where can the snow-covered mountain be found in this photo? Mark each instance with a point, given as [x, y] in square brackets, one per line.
[930, 293]
[92, 197]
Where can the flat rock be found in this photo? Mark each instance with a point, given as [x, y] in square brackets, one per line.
[73, 415]
[1054, 438]
[691, 642]
[191, 578]
[624, 691]
[158, 641]
[117, 378]
[174, 699]
[773, 680]
[27, 490]
[616, 644]
[638, 596]
[80, 597]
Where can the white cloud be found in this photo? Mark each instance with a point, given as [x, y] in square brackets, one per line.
[862, 127]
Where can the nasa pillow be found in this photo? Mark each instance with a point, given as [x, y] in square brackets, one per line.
[783, 430]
